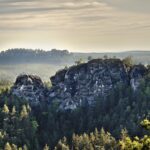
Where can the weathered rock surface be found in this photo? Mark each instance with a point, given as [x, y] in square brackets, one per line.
[29, 87]
[81, 84]
[136, 75]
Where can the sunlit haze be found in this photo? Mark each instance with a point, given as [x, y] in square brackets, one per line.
[76, 25]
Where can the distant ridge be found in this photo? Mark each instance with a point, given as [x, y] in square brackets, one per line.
[45, 63]
[54, 56]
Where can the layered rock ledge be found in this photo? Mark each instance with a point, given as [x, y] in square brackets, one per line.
[29, 87]
[81, 84]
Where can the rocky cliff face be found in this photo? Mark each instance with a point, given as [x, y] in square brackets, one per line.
[29, 87]
[83, 83]
[79, 85]
[136, 74]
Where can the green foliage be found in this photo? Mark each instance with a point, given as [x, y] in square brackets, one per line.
[126, 143]
[80, 61]
[13, 110]
[48, 85]
[23, 113]
[105, 57]
[62, 145]
[46, 147]
[18, 127]
[135, 144]
[7, 146]
[5, 109]
[94, 140]
[104, 141]
[146, 124]
[4, 83]
[89, 58]
[128, 61]
[29, 129]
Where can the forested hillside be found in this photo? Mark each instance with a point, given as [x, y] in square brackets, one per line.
[45, 63]
[33, 128]
[114, 121]
[54, 56]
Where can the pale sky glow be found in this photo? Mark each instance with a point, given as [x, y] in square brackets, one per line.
[76, 25]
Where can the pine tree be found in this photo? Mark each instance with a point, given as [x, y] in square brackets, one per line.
[145, 124]
[28, 108]
[7, 146]
[124, 134]
[5, 109]
[24, 112]
[75, 142]
[46, 147]
[62, 145]
[128, 61]
[25, 147]
[13, 110]
[14, 147]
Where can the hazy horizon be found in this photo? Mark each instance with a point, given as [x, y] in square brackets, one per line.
[34, 49]
[75, 25]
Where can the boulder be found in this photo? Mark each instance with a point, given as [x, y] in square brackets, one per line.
[29, 87]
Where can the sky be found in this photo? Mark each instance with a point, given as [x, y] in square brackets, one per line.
[75, 25]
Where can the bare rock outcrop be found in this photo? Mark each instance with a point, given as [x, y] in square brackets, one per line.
[29, 87]
[80, 84]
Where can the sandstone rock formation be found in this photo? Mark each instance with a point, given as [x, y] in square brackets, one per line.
[136, 75]
[29, 87]
[81, 84]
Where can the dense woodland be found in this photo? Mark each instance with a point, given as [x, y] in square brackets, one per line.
[45, 63]
[33, 56]
[22, 55]
[113, 122]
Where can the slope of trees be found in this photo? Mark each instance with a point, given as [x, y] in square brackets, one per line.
[101, 140]
[44, 127]
[33, 56]
[22, 55]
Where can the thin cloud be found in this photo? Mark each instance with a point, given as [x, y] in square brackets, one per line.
[50, 13]
[88, 20]
[139, 6]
